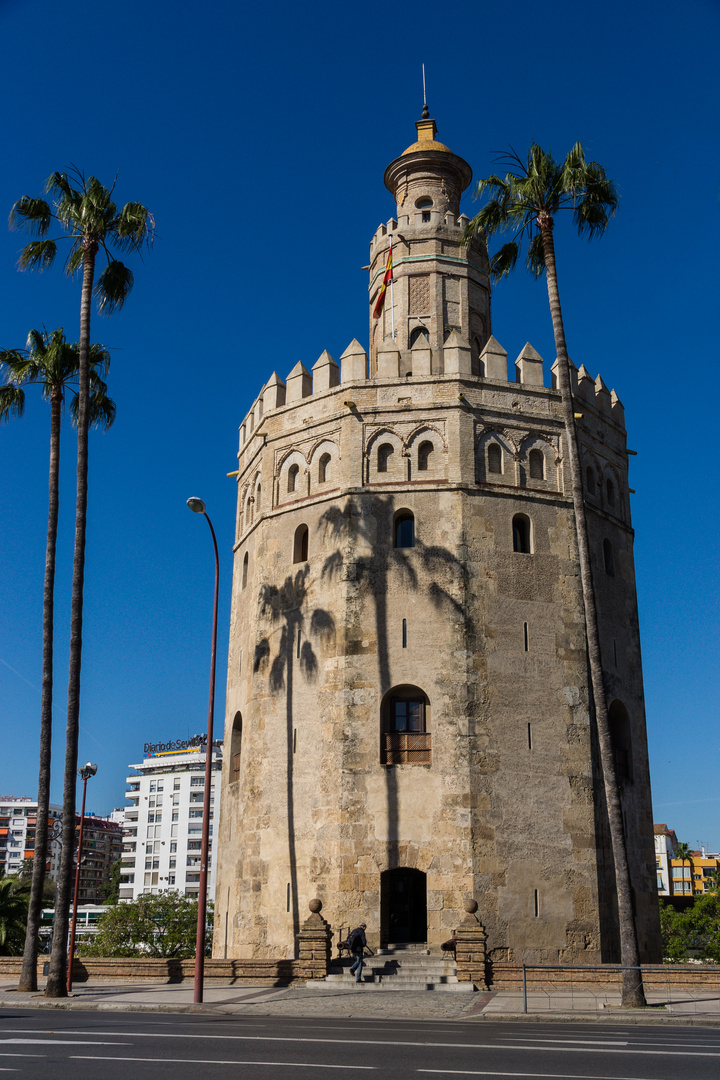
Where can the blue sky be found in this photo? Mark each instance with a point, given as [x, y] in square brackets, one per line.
[258, 138]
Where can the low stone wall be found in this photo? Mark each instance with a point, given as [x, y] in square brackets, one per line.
[260, 972]
[505, 976]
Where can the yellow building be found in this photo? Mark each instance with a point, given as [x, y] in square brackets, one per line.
[695, 874]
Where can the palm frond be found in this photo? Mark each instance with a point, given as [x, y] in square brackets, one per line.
[99, 360]
[75, 259]
[591, 219]
[38, 255]
[33, 215]
[12, 403]
[535, 258]
[101, 409]
[503, 261]
[134, 227]
[113, 287]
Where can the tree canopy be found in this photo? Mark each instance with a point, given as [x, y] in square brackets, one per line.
[162, 926]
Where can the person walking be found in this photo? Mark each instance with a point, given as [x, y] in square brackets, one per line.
[358, 943]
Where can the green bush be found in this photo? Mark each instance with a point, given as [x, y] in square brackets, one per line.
[162, 926]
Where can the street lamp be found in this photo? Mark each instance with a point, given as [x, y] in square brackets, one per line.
[198, 507]
[86, 772]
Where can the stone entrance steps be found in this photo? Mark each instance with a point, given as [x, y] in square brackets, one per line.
[398, 967]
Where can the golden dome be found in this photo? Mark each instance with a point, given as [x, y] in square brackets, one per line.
[426, 139]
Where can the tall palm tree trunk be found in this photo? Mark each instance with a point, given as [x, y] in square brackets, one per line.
[28, 974]
[56, 984]
[633, 995]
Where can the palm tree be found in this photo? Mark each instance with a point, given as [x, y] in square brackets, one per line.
[525, 203]
[683, 852]
[88, 217]
[50, 362]
[13, 913]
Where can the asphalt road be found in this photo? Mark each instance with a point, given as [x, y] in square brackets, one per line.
[101, 1046]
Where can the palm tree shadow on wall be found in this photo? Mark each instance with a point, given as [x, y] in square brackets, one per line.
[367, 523]
[284, 605]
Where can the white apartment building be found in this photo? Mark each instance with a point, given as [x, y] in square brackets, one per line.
[665, 845]
[18, 821]
[163, 821]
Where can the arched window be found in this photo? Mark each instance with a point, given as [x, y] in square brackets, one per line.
[324, 469]
[521, 534]
[235, 748]
[385, 452]
[610, 492]
[418, 333]
[609, 559]
[405, 727]
[258, 493]
[292, 478]
[404, 529]
[476, 364]
[246, 561]
[536, 460]
[619, 723]
[300, 546]
[425, 452]
[494, 458]
[590, 481]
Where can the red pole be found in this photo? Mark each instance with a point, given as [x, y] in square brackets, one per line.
[202, 895]
[71, 951]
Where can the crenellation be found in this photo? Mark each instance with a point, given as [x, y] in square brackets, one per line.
[353, 363]
[274, 393]
[618, 412]
[326, 373]
[602, 397]
[388, 360]
[299, 384]
[529, 366]
[493, 361]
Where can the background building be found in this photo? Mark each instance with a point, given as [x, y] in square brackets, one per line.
[163, 821]
[408, 706]
[102, 846]
[665, 844]
[18, 821]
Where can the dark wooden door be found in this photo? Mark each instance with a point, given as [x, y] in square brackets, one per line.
[404, 902]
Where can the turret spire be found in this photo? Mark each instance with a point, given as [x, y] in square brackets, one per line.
[426, 111]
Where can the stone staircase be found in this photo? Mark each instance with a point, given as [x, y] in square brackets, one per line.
[397, 967]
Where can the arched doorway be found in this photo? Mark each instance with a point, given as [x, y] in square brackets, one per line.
[403, 906]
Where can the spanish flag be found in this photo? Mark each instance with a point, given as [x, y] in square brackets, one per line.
[380, 302]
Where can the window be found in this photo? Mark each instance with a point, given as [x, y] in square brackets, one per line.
[424, 203]
[235, 749]
[292, 478]
[537, 465]
[590, 481]
[425, 452]
[324, 469]
[176, 784]
[494, 458]
[521, 534]
[384, 454]
[420, 333]
[258, 493]
[610, 493]
[405, 739]
[245, 569]
[300, 546]
[404, 529]
[426, 215]
[197, 781]
[608, 557]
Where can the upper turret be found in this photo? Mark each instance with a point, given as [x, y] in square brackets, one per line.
[441, 286]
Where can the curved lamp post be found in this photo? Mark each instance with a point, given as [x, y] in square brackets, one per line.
[198, 507]
[86, 772]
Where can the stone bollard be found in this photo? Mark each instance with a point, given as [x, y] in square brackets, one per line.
[314, 944]
[470, 952]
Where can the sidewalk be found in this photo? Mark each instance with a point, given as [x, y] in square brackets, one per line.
[691, 1007]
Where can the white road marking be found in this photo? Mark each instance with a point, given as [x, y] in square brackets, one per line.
[212, 1061]
[598, 1050]
[64, 1042]
[580, 1042]
[540, 1076]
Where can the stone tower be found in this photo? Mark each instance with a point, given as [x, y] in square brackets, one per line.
[408, 723]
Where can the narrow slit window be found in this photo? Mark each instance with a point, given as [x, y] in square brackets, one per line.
[590, 481]
[246, 561]
[384, 454]
[529, 736]
[537, 904]
[405, 530]
[521, 534]
[494, 458]
[608, 558]
[324, 469]
[300, 547]
[292, 478]
[610, 493]
[404, 633]
[425, 453]
[288, 896]
[615, 651]
[299, 637]
[525, 637]
[537, 465]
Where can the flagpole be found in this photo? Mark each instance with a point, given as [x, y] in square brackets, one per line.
[392, 293]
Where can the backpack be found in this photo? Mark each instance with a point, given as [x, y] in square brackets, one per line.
[352, 938]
